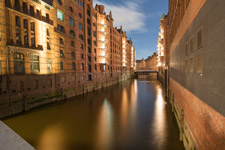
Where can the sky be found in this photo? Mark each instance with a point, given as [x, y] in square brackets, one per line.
[140, 19]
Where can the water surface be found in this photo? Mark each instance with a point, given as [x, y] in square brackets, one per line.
[132, 115]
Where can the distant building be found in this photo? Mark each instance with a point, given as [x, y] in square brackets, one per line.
[147, 64]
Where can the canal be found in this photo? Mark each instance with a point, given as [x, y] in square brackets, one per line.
[131, 115]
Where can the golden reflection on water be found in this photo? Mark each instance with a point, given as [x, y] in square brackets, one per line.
[159, 124]
[134, 93]
[53, 138]
[104, 127]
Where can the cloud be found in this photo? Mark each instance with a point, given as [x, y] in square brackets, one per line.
[128, 14]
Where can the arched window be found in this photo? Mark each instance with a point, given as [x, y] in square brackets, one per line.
[34, 63]
[18, 59]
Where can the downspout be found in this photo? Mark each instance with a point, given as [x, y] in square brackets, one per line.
[7, 72]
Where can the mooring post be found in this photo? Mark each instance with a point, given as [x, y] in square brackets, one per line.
[181, 124]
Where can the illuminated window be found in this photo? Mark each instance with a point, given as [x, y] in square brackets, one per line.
[18, 59]
[34, 63]
[59, 15]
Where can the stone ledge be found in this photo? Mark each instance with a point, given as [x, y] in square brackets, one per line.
[9, 140]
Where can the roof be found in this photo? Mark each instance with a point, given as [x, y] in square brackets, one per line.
[50, 2]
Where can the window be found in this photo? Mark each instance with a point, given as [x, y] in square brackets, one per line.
[94, 33]
[25, 24]
[71, 9]
[38, 13]
[71, 22]
[61, 41]
[47, 31]
[61, 54]
[48, 46]
[73, 66]
[59, 2]
[32, 26]
[80, 15]
[33, 41]
[17, 4]
[191, 45]
[89, 78]
[60, 28]
[18, 37]
[34, 63]
[26, 42]
[7, 4]
[186, 65]
[18, 59]
[82, 67]
[24, 7]
[186, 49]
[17, 21]
[49, 66]
[80, 26]
[81, 37]
[89, 58]
[81, 46]
[72, 33]
[199, 38]
[95, 67]
[61, 66]
[32, 10]
[82, 56]
[47, 17]
[72, 44]
[199, 63]
[89, 68]
[59, 15]
[191, 64]
[73, 55]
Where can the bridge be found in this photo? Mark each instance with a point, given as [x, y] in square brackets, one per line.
[145, 72]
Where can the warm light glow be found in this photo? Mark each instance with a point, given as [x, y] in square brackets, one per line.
[159, 124]
[104, 128]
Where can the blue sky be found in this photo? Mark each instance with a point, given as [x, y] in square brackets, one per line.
[140, 19]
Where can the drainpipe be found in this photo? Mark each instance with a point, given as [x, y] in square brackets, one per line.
[7, 71]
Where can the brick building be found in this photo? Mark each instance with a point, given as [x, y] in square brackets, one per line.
[194, 32]
[51, 50]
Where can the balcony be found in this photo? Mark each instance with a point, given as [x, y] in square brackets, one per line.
[31, 14]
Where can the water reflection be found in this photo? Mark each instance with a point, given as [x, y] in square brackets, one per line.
[53, 138]
[104, 128]
[159, 124]
[115, 118]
